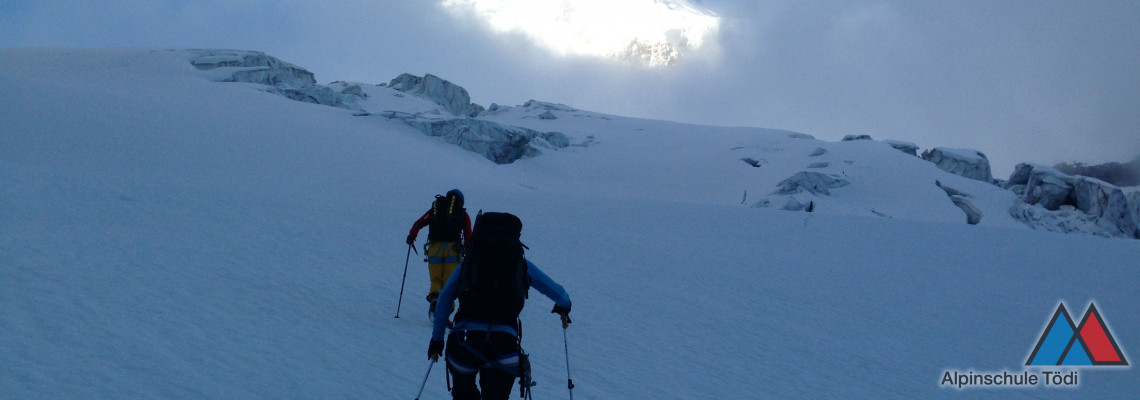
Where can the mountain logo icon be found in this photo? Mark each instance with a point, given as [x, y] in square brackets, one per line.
[1068, 344]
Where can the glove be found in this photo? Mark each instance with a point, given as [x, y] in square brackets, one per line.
[435, 349]
[564, 313]
[411, 240]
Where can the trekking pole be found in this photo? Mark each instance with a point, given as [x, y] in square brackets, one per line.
[566, 347]
[406, 260]
[432, 364]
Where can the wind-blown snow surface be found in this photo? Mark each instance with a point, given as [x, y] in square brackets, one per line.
[166, 236]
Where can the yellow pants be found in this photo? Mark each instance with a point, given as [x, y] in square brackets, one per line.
[442, 258]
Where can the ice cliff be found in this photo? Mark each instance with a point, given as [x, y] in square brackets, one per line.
[501, 144]
[458, 122]
[279, 77]
[964, 162]
[452, 97]
[1054, 201]
[1043, 197]
[455, 120]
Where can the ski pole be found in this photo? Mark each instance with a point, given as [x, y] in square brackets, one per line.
[566, 348]
[406, 260]
[432, 364]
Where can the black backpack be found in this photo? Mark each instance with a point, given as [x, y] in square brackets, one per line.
[493, 281]
[446, 221]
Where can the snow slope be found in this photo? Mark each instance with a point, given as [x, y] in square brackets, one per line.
[163, 235]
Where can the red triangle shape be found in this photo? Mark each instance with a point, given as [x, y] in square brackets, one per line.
[1101, 345]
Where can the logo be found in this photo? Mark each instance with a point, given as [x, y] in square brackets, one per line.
[1064, 345]
[1067, 344]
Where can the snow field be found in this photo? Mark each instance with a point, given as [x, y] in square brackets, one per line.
[164, 236]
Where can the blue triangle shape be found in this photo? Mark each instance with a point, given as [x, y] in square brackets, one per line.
[1055, 340]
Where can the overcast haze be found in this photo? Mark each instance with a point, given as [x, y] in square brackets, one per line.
[1041, 81]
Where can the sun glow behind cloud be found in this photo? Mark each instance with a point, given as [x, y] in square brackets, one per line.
[649, 32]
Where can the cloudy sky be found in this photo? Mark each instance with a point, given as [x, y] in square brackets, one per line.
[1041, 81]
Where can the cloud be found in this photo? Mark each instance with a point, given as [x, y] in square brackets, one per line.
[1041, 84]
[649, 32]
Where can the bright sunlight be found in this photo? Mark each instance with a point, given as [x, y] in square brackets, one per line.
[649, 32]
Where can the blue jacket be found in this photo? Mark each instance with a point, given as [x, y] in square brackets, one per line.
[538, 280]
